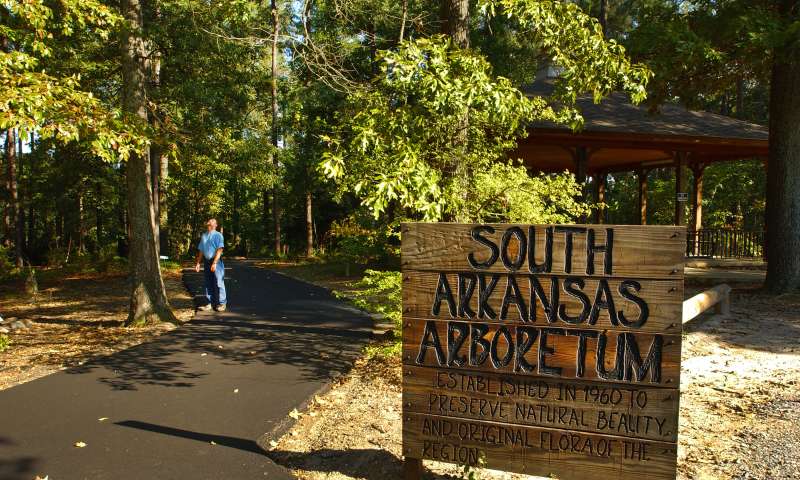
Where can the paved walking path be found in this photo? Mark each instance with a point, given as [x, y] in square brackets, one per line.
[192, 403]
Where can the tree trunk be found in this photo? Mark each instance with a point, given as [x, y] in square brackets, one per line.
[276, 209]
[603, 17]
[455, 21]
[148, 297]
[31, 176]
[309, 227]
[20, 240]
[13, 194]
[98, 215]
[155, 185]
[783, 172]
[403, 19]
[740, 97]
[163, 210]
[236, 223]
[80, 230]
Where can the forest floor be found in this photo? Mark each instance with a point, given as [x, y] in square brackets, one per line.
[739, 409]
[75, 316]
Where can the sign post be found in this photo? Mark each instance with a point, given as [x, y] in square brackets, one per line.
[543, 349]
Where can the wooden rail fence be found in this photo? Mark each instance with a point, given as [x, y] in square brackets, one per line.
[725, 243]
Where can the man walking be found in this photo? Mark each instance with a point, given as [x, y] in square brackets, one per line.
[210, 252]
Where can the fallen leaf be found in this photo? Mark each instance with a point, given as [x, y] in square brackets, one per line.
[203, 354]
[220, 347]
[235, 390]
[102, 419]
[294, 414]
[80, 444]
[273, 444]
[213, 442]
[46, 477]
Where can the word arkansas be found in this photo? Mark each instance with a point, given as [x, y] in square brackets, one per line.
[572, 300]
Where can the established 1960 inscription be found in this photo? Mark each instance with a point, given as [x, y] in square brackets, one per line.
[543, 349]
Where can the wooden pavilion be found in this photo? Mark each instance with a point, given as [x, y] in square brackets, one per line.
[619, 136]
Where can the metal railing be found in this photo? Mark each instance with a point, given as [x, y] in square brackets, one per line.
[725, 243]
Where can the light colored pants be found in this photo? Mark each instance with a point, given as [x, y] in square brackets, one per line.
[214, 283]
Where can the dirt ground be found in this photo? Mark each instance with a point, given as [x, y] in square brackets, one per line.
[75, 317]
[740, 406]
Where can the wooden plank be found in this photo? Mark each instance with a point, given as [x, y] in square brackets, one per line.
[630, 411]
[638, 252]
[564, 454]
[560, 352]
[663, 297]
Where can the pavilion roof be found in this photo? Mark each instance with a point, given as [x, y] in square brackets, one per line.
[617, 114]
[622, 136]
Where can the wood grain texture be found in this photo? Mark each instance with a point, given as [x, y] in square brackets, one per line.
[563, 356]
[638, 251]
[663, 297]
[532, 393]
[567, 455]
[630, 411]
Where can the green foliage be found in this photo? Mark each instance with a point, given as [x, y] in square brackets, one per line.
[506, 192]
[55, 106]
[5, 342]
[8, 269]
[436, 119]
[381, 292]
[734, 195]
[575, 42]
[394, 144]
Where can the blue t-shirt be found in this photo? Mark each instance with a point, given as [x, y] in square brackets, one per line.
[209, 243]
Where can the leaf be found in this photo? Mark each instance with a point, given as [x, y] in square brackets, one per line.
[235, 390]
[295, 414]
[80, 444]
[102, 419]
[273, 444]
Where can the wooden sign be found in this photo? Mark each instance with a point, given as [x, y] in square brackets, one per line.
[549, 350]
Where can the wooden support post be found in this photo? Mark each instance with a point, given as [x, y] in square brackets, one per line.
[642, 174]
[600, 179]
[412, 468]
[697, 201]
[681, 196]
[581, 160]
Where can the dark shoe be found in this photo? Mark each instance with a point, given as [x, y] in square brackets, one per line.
[204, 308]
[220, 308]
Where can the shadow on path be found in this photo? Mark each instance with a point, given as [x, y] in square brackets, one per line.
[237, 373]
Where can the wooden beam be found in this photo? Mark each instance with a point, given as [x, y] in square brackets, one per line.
[697, 199]
[734, 146]
[681, 195]
[412, 468]
[581, 161]
[717, 297]
[642, 175]
[600, 179]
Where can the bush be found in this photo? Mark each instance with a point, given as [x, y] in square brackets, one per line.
[380, 292]
[7, 268]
